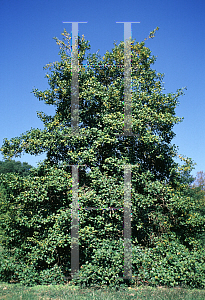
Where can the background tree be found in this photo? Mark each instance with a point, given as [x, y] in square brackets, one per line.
[198, 191]
[12, 166]
[166, 223]
[200, 180]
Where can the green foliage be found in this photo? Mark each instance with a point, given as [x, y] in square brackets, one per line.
[38, 225]
[166, 219]
[12, 166]
[170, 263]
[198, 193]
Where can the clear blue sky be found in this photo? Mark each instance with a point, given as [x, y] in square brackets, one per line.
[27, 29]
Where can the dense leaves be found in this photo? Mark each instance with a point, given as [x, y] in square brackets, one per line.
[198, 194]
[166, 220]
[12, 166]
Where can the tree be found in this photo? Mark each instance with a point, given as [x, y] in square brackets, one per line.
[165, 221]
[200, 180]
[198, 191]
[9, 166]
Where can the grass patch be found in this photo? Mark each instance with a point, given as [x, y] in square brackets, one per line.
[58, 292]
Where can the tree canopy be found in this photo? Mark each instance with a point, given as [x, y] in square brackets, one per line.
[12, 166]
[165, 221]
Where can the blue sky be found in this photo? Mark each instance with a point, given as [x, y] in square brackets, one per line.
[27, 29]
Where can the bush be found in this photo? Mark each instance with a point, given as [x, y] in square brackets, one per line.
[37, 239]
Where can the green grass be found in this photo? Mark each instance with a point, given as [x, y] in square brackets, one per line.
[58, 292]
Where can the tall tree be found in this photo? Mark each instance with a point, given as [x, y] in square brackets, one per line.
[165, 222]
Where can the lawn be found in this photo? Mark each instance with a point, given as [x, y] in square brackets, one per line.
[17, 291]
